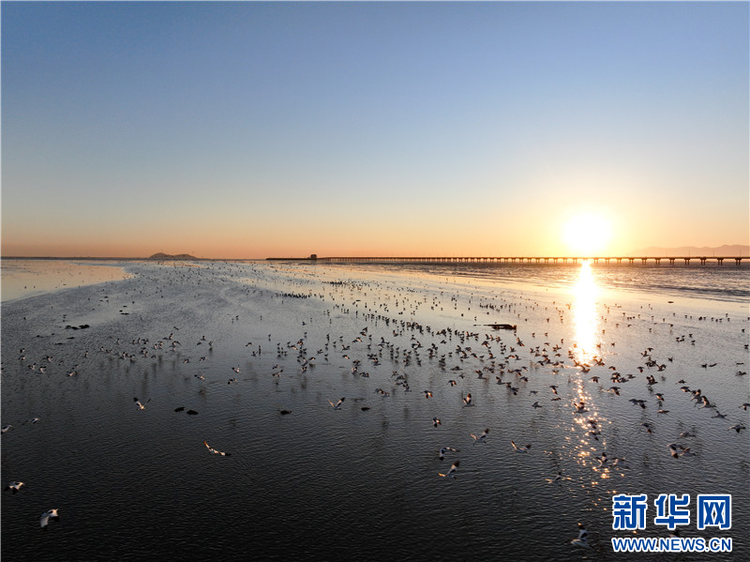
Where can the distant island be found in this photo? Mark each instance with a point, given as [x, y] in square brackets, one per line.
[163, 256]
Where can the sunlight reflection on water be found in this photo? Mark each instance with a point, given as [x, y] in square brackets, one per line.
[585, 320]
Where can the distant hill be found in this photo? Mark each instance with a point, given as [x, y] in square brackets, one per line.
[162, 256]
[733, 250]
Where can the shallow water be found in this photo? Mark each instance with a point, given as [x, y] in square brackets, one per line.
[319, 483]
[27, 277]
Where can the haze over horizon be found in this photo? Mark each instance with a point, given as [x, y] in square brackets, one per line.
[249, 130]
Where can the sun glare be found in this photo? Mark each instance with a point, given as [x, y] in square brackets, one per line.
[587, 234]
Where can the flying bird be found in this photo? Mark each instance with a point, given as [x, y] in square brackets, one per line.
[441, 452]
[337, 406]
[582, 539]
[139, 405]
[481, 437]
[452, 472]
[216, 452]
[48, 516]
[14, 486]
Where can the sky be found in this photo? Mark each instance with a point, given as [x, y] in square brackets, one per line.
[257, 129]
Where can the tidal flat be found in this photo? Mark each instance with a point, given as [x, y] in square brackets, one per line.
[604, 371]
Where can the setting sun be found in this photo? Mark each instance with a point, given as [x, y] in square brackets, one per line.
[587, 234]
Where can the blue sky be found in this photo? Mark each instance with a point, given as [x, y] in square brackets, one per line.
[246, 129]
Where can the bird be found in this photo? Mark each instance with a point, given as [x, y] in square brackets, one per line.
[48, 516]
[558, 478]
[435, 421]
[14, 486]
[467, 399]
[739, 427]
[6, 428]
[582, 539]
[677, 450]
[337, 406]
[452, 472]
[520, 449]
[481, 437]
[216, 452]
[442, 451]
[139, 405]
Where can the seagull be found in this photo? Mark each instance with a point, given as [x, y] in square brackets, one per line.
[441, 452]
[582, 539]
[558, 478]
[337, 406]
[215, 452]
[6, 428]
[739, 427]
[481, 437]
[452, 471]
[673, 449]
[139, 405]
[467, 399]
[435, 421]
[520, 449]
[14, 486]
[603, 459]
[47, 516]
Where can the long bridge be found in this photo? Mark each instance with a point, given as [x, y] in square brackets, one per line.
[671, 260]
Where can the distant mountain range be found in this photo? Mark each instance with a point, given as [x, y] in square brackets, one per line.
[727, 250]
[162, 256]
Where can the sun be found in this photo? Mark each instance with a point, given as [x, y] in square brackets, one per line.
[587, 234]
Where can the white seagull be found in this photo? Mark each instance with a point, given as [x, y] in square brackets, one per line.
[481, 437]
[582, 539]
[14, 486]
[452, 472]
[139, 405]
[441, 452]
[520, 449]
[47, 516]
[215, 452]
[337, 405]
